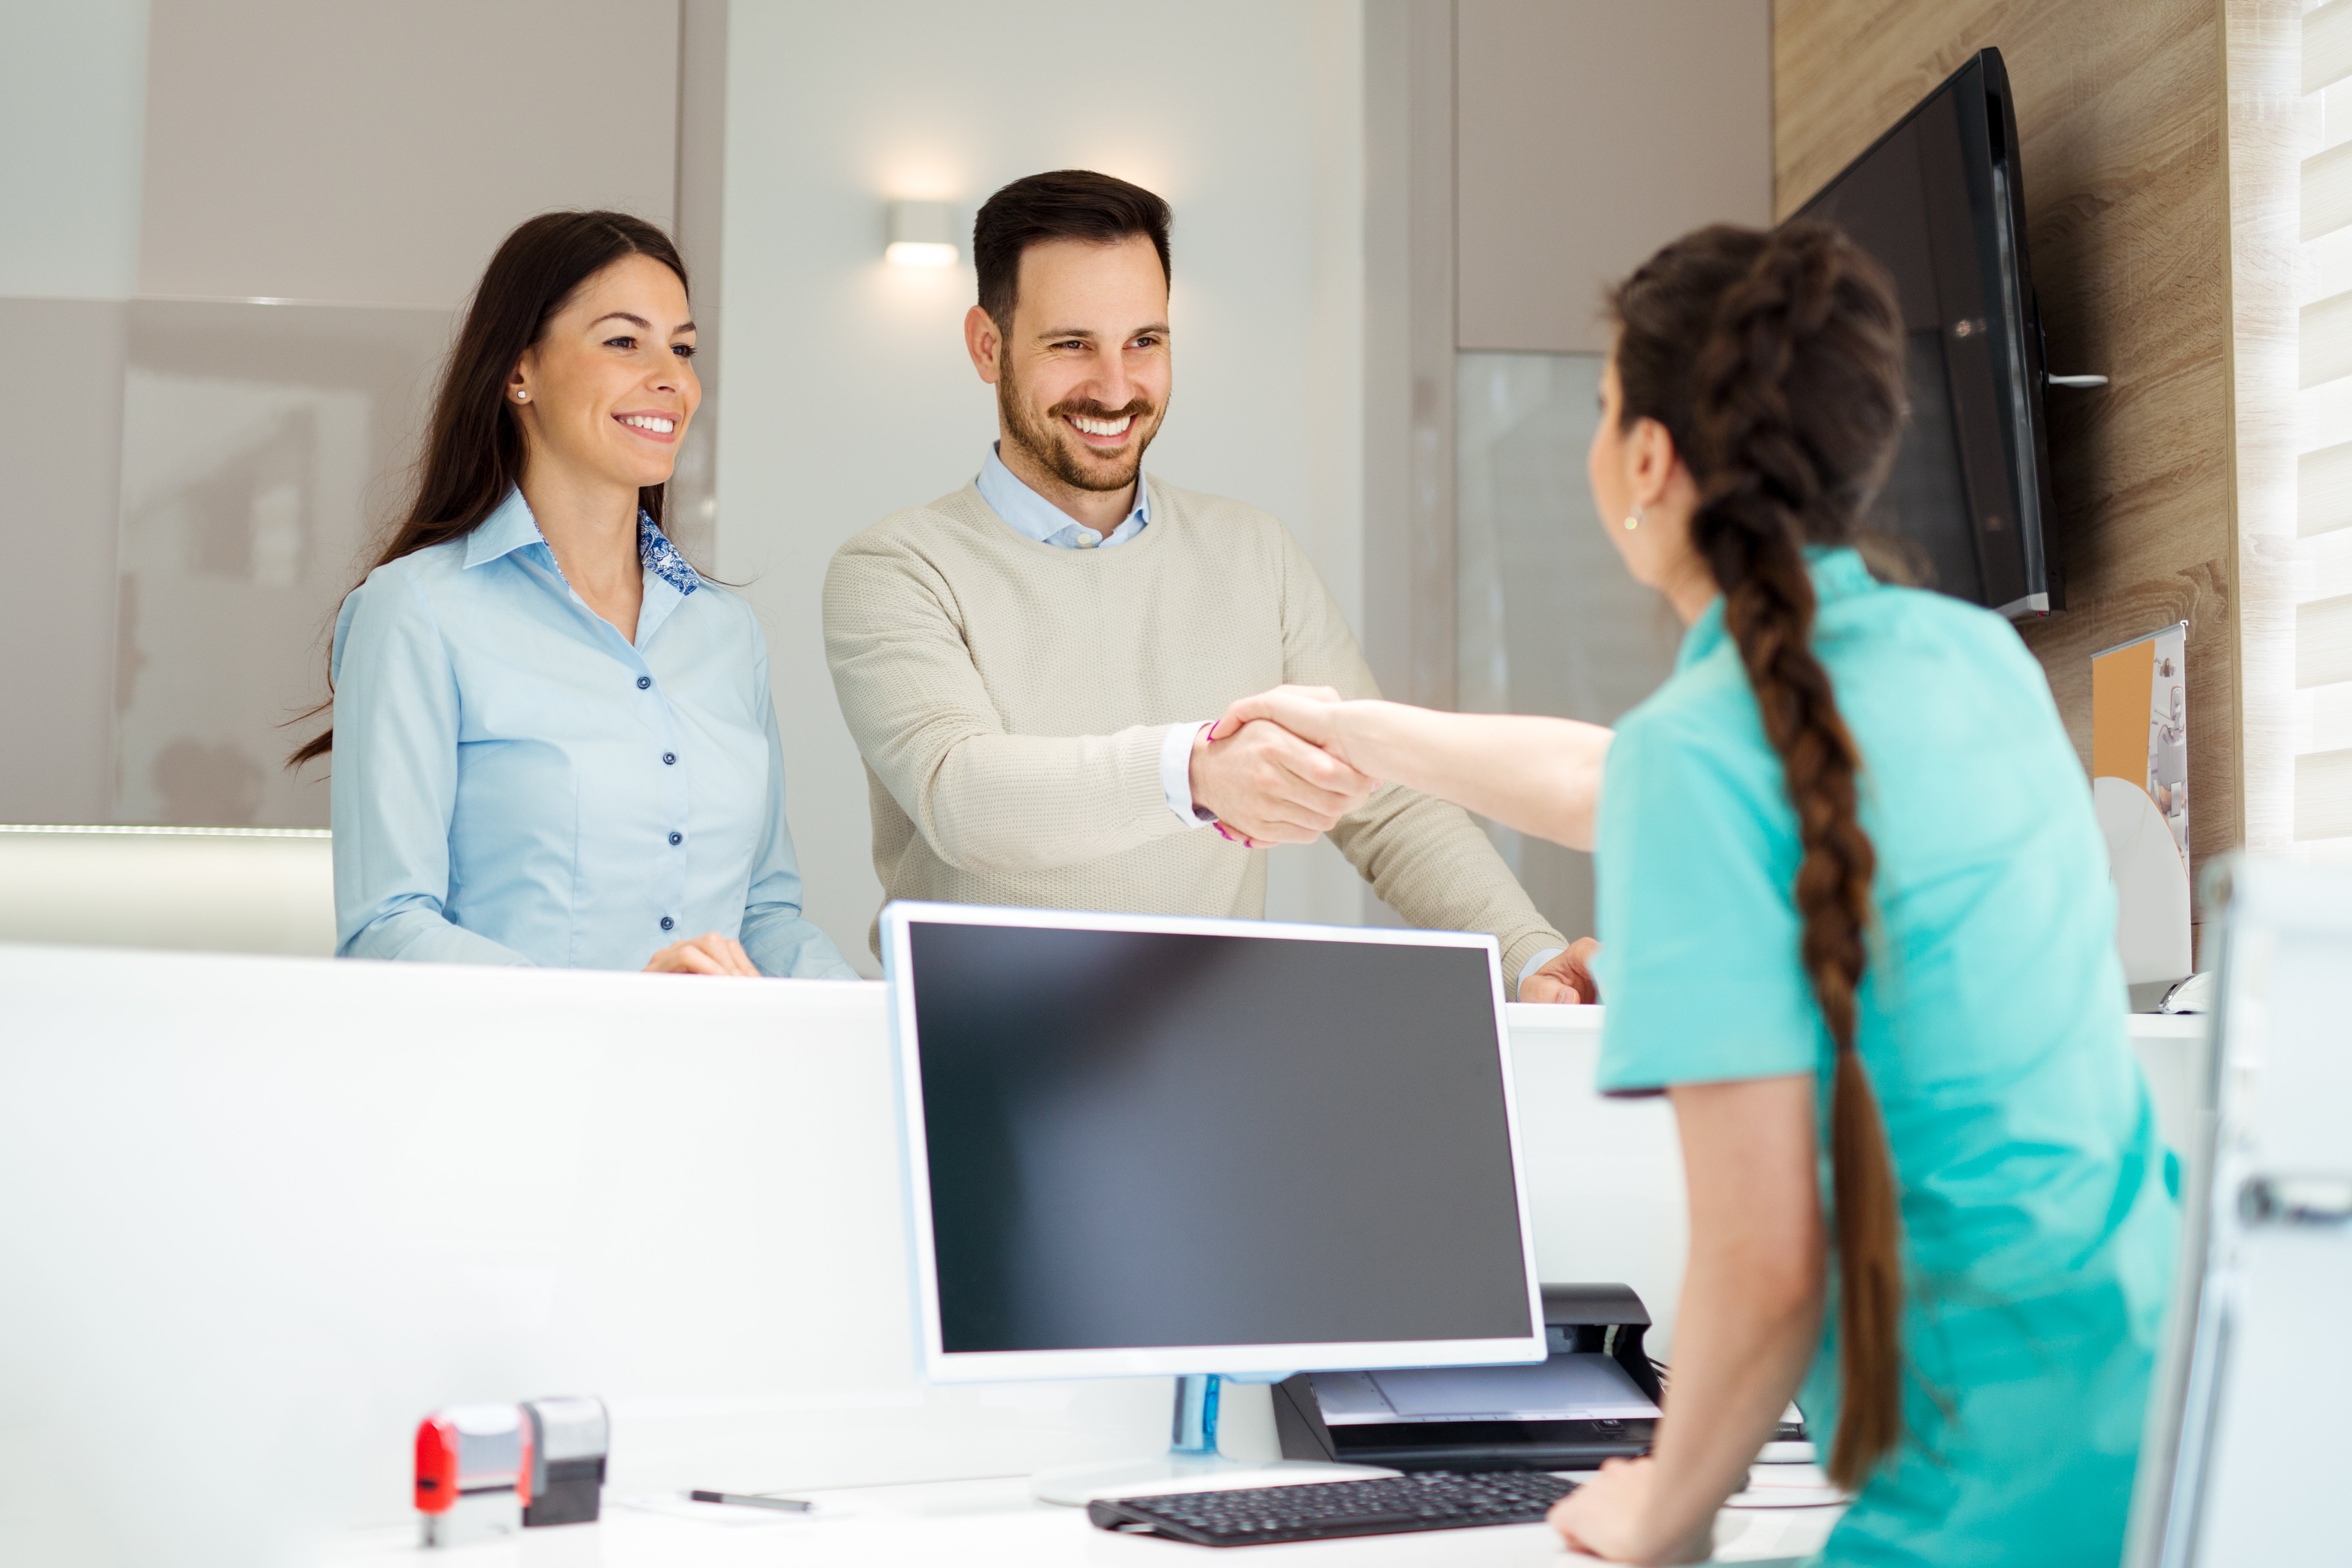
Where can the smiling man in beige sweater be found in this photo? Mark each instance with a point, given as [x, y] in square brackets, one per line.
[1031, 665]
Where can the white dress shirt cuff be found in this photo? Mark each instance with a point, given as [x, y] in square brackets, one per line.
[1176, 774]
[1543, 957]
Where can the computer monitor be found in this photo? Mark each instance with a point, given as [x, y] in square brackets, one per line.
[1140, 1144]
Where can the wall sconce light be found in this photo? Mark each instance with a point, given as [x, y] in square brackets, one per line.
[922, 234]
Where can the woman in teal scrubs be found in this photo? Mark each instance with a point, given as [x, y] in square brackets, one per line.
[1856, 919]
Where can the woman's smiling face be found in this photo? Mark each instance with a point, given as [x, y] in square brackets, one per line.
[609, 388]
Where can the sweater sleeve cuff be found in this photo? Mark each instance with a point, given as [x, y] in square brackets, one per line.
[1542, 957]
[1176, 774]
[1540, 947]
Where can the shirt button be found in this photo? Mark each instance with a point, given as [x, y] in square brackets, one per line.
[645, 681]
[669, 758]
[678, 838]
[668, 922]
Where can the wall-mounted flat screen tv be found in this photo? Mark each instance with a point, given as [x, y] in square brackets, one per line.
[1938, 202]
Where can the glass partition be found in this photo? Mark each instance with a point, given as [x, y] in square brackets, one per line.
[261, 444]
[228, 273]
[1548, 621]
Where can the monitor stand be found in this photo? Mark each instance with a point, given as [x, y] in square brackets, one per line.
[1191, 1464]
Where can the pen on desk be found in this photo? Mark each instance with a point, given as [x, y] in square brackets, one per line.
[788, 1504]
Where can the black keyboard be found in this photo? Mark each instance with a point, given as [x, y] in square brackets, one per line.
[1436, 1499]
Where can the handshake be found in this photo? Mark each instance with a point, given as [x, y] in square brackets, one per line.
[1285, 766]
[1273, 769]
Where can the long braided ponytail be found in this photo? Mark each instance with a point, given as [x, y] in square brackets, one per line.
[1775, 364]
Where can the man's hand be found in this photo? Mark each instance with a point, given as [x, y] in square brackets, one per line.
[1268, 786]
[1567, 978]
[709, 953]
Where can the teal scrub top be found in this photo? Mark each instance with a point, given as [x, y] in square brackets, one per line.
[2038, 1204]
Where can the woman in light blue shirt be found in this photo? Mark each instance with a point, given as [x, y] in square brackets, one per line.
[1855, 918]
[553, 741]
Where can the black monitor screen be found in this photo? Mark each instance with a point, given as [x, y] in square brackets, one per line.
[1139, 1140]
[1934, 200]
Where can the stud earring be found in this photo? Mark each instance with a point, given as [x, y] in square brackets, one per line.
[1632, 521]
[522, 396]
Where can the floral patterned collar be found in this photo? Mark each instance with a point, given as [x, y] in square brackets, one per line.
[661, 558]
[511, 527]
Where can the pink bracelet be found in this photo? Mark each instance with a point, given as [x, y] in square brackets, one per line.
[1244, 840]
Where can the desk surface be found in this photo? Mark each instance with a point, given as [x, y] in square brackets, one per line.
[982, 1523]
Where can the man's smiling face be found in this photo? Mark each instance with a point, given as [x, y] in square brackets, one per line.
[1082, 371]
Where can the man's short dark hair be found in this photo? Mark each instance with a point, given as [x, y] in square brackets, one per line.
[1068, 204]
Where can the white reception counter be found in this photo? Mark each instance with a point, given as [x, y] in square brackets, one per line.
[260, 1215]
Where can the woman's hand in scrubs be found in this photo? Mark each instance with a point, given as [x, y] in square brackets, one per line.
[1611, 1515]
[1537, 775]
[709, 953]
[1309, 712]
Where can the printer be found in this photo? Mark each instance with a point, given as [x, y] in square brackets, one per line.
[1593, 1397]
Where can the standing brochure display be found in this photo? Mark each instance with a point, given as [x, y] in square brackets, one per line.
[2140, 784]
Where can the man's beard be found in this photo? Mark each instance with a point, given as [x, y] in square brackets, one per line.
[1059, 449]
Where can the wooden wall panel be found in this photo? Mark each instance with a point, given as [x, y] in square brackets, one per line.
[2120, 124]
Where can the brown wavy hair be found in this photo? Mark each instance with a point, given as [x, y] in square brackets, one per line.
[1775, 362]
[474, 448]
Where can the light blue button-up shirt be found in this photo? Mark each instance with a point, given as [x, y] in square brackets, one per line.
[1032, 514]
[516, 783]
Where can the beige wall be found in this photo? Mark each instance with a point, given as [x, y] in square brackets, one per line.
[193, 473]
[61, 437]
[848, 391]
[1408, 629]
[1588, 133]
[376, 154]
[1520, 155]
[73, 90]
[2119, 116]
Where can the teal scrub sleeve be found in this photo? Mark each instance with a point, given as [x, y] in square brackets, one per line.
[1696, 860]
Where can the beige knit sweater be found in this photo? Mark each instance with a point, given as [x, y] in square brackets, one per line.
[1011, 699]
